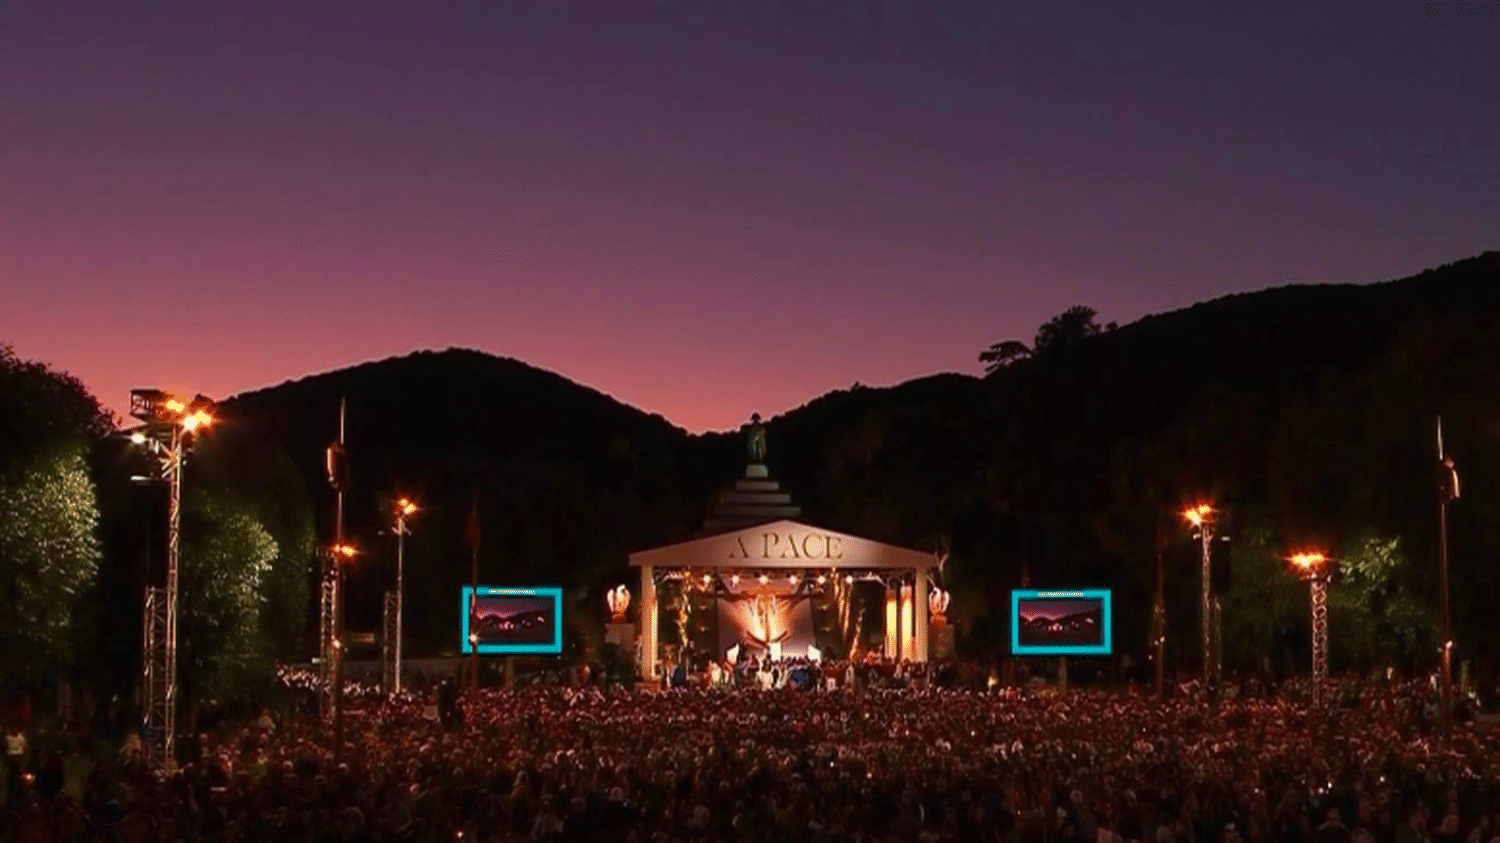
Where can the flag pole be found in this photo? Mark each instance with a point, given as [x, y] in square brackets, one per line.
[474, 601]
[1448, 491]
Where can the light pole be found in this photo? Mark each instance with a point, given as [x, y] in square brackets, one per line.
[339, 555]
[167, 430]
[404, 509]
[1314, 569]
[331, 609]
[1201, 517]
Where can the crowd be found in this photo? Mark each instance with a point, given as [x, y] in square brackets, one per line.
[847, 762]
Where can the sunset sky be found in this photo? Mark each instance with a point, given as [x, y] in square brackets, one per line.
[706, 209]
[1030, 610]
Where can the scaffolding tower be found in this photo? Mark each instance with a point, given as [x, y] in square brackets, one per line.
[390, 634]
[167, 428]
[328, 601]
[159, 686]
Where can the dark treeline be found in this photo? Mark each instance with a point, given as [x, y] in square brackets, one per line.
[1306, 413]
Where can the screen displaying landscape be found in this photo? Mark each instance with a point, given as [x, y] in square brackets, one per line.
[1061, 623]
[512, 620]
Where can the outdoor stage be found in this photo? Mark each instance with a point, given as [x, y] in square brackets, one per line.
[772, 586]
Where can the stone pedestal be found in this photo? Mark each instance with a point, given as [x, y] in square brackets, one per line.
[621, 635]
[940, 640]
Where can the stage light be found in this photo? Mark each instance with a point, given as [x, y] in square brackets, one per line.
[1196, 515]
[764, 579]
[138, 438]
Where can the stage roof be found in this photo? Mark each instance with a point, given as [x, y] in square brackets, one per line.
[783, 544]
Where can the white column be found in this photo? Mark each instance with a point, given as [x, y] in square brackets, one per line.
[919, 613]
[648, 623]
[892, 625]
[905, 626]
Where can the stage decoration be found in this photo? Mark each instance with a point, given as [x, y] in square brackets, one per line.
[937, 602]
[618, 599]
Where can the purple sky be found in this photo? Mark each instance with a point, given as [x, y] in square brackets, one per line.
[706, 209]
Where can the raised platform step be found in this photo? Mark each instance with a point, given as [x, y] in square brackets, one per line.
[758, 499]
[757, 486]
[765, 511]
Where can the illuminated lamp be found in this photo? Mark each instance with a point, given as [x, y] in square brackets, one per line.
[618, 599]
[937, 604]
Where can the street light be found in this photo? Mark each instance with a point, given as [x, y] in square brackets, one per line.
[403, 509]
[167, 429]
[1314, 568]
[1201, 518]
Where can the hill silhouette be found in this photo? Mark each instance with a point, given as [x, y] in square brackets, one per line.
[566, 480]
[1313, 403]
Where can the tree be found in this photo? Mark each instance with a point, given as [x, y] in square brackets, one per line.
[1056, 336]
[224, 648]
[1066, 331]
[49, 515]
[49, 555]
[1373, 619]
[236, 463]
[1002, 354]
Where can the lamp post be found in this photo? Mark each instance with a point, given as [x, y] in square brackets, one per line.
[1314, 569]
[168, 426]
[332, 597]
[404, 509]
[1201, 518]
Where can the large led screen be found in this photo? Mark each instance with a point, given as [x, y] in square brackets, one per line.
[507, 621]
[1060, 623]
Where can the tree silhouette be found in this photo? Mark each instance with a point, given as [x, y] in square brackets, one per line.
[1066, 331]
[1002, 354]
[1060, 334]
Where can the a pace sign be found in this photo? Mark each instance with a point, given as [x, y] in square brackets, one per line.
[788, 545]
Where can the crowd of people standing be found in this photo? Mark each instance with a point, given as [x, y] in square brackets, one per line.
[848, 762]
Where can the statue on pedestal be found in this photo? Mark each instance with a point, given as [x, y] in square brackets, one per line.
[756, 443]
